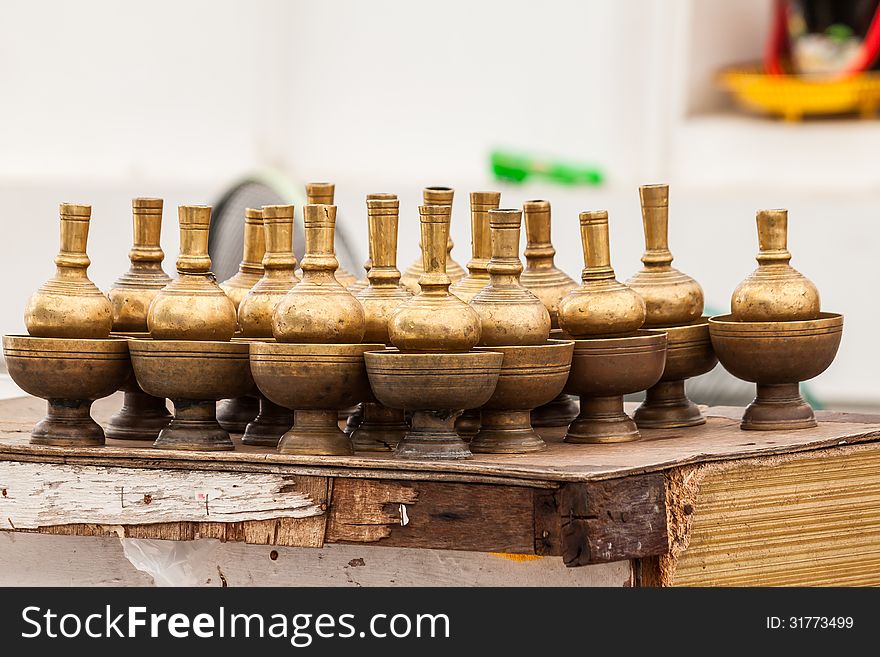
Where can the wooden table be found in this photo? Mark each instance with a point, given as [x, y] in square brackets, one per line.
[705, 505]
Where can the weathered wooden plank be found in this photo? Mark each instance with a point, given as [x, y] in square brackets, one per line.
[433, 514]
[40, 560]
[613, 520]
[34, 495]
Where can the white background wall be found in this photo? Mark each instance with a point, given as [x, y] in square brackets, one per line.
[101, 101]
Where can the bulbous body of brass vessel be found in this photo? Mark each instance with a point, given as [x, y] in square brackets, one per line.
[434, 319]
[192, 306]
[134, 291]
[481, 246]
[410, 277]
[323, 193]
[777, 356]
[319, 309]
[142, 416]
[601, 306]
[250, 271]
[541, 276]
[775, 291]
[69, 373]
[509, 313]
[279, 273]
[69, 305]
[671, 297]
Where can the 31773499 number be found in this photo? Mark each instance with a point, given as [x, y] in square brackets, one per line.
[810, 623]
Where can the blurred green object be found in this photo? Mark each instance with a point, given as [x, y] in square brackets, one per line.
[517, 167]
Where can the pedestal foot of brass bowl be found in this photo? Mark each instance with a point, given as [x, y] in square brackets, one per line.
[194, 427]
[558, 413]
[778, 406]
[271, 423]
[68, 423]
[468, 424]
[433, 436]
[353, 420]
[602, 420]
[317, 433]
[506, 432]
[141, 417]
[380, 430]
[235, 414]
[666, 406]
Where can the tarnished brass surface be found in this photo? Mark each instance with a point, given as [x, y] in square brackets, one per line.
[671, 297]
[142, 416]
[322, 193]
[279, 266]
[775, 291]
[603, 370]
[777, 356]
[319, 309]
[509, 313]
[541, 276]
[434, 319]
[530, 376]
[410, 278]
[69, 305]
[70, 374]
[601, 306]
[315, 381]
[234, 415]
[250, 271]
[689, 353]
[193, 375]
[436, 387]
[192, 306]
[481, 246]
[384, 294]
[381, 429]
[132, 293]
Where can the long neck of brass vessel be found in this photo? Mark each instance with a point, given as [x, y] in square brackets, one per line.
[147, 219]
[320, 193]
[505, 267]
[655, 218]
[442, 196]
[382, 222]
[597, 250]
[481, 237]
[539, 250]
[254, 242]
[773, 237]
[278, 233]
[72, 261]
[435, 234]
[195, 223]
[319, 261]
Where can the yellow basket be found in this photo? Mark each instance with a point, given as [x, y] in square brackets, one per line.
[793, 97]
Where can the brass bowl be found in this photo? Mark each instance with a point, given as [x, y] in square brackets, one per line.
[436, 388]
[193, 375]
[142, 416]
[689, 353]
[69, 374]
[777, 356]
[531, 375]
[564, 408]
[603, 370]
[315, 381]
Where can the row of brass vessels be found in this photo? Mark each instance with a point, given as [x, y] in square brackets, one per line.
[439, 363]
